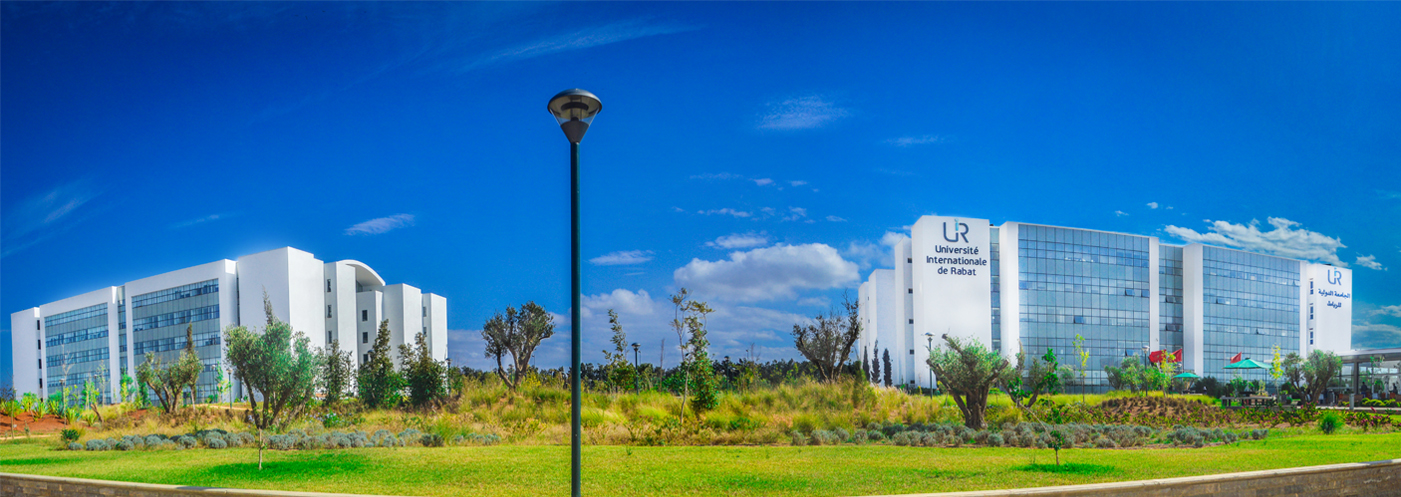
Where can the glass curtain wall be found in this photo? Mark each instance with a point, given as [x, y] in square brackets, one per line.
[1251, 305]
[1170, 298]
[75, 347]
[159, 322]
[996, 291]
[1089, 283]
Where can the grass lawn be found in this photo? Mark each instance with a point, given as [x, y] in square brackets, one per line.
[708, 470]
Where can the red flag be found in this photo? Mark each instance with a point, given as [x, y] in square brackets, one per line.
[1155, 356]
[1177, 355]
[1235, 358]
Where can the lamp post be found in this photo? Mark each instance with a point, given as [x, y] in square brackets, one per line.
[574, 110]
[636, 371]
[929, 337]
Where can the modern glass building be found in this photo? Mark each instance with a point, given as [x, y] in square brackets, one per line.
[1030, 287]
[97, 337]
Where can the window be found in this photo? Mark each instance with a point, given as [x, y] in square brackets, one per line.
[328, 286]
[41, 383]
[909, 260]
[364, 337]
[912, 351]
[425, 330]
[364, 315]
[425, 312]
[40, 343]
[328, 311]
[912, 321]
[328, 336]
[41, 364]
[909, 290]
[36, 321]
[364, 358]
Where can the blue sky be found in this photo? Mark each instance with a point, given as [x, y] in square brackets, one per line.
[763, 155]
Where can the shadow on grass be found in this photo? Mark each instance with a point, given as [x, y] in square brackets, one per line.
[34, 461]
[1069, 468]
[305, 467]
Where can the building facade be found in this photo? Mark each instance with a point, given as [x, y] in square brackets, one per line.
[101, 335]
[1023, 287]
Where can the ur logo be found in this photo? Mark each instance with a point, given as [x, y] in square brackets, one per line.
[1335, 277]
[959, 229]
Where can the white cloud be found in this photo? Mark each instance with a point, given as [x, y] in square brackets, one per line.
[866, 254]
[714, 176]
[1152, 205]
[797, 182]
[39, 217]
[815, 302]
[836, 219]
[800, 113]
[795, 213]
[906, 141]
[381, 225]
[587, 38]
[625, 302]
[1389, 310]
[1169, 207]
[740, 240]
[728, 212]
[768, 211]
[622, 258]
[769, 273]
[1120, 213]
[1284, 240]
[1369, 262]
[192, 222]
[762, 181]
[891, 238]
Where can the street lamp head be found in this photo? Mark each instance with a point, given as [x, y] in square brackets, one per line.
[634, 345]
[574, 110]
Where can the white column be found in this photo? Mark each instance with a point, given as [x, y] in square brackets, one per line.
[1192, 334]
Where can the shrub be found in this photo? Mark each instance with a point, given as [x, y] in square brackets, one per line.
[875, 436]
[1330, 422]
[74, 446]
[995, 440]
[1260, 434]
[842, 435]
[798, 438]
[187, 442]
[97, 445]
[71, 434]
[860, 437]
[431, 440]
[217, 443]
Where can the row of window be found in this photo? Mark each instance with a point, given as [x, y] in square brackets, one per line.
[1084, 280]
[1090, 289]
[58, 360]
[177, 293]
[173, 343]
[1219, 255]
[1250, 303]
[74, 315]
[77, 336]
[1088, 320]
[1033, 232]
[176, 318]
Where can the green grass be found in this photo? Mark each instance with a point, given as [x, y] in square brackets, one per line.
[528, 470]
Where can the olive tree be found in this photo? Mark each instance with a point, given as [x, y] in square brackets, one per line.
[169, 382]
[516, 334]
[1320, 368]
[967, 371]
[278, 367]
[826, 342]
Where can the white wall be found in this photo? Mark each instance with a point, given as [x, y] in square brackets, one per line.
[369, 304]
[1010, 274]
[952, 278]
[1154, 294]
[404, 309]
[25, 338]
[903, 328]
[294, 284]
[437, 323]
[341, 298]
[1193, 344]
[1332, 308]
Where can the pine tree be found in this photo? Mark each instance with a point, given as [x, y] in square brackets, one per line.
[379, 383]
[865, 362]
[886, 359]
[875, 366]
[336, 372]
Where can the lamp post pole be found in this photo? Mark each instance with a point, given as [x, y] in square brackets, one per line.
[636, 371]
[929, 337]
[574, 110]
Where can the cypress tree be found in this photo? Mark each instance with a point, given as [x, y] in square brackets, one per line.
[886, 359]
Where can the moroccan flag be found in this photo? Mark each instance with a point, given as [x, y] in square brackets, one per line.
[1177, 355]
[1155, 356]
[1235, 358]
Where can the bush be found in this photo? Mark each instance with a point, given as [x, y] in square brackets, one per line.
[74, 446]
[431, 440]
[187, 442]
[97, 445]
[798, 438]
[153, 441]
[1330, 422]
[217, 443]
[124, 445]
[71, 434]
[995, 440]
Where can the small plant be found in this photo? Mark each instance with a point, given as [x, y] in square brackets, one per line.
[431, 440]
[74, 446]
[70, 434]
[1330, 422]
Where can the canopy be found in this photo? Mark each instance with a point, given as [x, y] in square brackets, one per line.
[1247, 364]
[1188, 375]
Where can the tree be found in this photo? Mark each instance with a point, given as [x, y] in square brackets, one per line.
[379, 384]
[875, 365]
[1129, 374]
[619, 371]
[1293, 370]
[423, 374]
[1025, 384]
[866, 362]
[827, 341]
[278, 367]
[703, 379]
[1084, 362]
[169, 382]
[1321, 367]
[517, 335]
[336, 371]
[967, 372]
[885, 358]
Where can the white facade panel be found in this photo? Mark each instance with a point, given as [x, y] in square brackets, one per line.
[1154, 295]
[904, 313]
[1010, 278]
[26, 345]
[437, 323]
[951, 278]
[1193, 342]
[1332, 308]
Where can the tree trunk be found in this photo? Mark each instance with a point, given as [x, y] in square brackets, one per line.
[261, 443]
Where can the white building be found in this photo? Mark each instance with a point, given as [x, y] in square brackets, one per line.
[101, 335]
[1124, 294]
